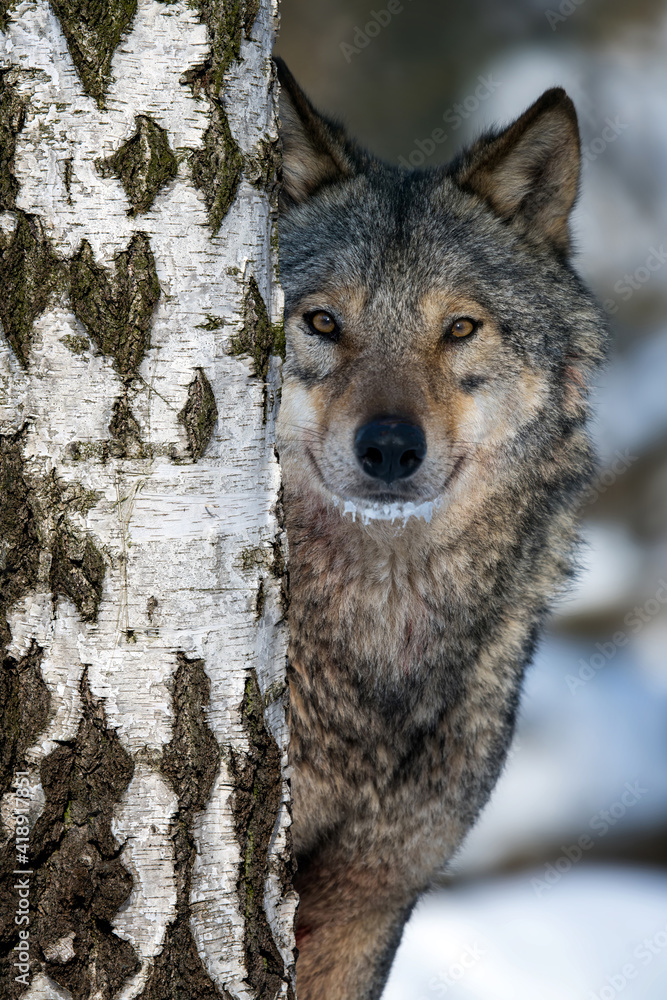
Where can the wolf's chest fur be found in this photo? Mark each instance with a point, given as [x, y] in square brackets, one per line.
[439, 349]
[408, 644]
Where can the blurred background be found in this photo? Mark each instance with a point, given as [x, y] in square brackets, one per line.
[560, 892]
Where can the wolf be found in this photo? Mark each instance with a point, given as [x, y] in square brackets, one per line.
[432, 438]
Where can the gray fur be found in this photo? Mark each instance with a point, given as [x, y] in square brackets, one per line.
[409, 642]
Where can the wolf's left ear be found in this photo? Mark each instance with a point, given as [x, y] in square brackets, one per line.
[315, 151]
[530, 172]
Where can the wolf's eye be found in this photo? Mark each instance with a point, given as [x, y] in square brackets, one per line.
[463, 327]
[323, 323]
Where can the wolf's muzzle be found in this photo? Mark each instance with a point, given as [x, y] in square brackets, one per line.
[388, 448]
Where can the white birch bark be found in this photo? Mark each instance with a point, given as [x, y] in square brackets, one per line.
[187, 541]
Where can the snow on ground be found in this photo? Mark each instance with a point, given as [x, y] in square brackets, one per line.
[597, 933]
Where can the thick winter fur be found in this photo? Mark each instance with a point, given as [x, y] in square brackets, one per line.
[410, 637]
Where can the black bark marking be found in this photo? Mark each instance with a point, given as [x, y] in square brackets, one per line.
[24, 710]
[190, 763]
[79, 881]
[93, 29]
[279, 567]
[228, 21]
[34, 517]
[257, 337]
[67, 178]
[125, 432]
[117, 309]
[217, 167]
[264, 166]
[199, 414]
[250, 13]
[12, 120]
[77, 571]
[256, 803]
[19, 538]
[143, 164]
[5, 7]
[77, 566]
[29, 273]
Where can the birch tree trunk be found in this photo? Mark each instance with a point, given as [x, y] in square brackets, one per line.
[144, 824]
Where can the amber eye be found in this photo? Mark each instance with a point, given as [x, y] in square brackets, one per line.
[323, 323]
[463, 327]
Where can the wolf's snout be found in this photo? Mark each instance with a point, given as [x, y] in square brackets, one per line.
[389, 448]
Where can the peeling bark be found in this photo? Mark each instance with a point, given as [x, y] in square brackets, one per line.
[142, 583]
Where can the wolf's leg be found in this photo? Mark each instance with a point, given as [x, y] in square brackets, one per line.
[348, 930]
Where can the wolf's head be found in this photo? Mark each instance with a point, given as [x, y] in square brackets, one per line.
[439, 342]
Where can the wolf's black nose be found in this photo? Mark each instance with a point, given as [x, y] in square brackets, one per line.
[389, 448]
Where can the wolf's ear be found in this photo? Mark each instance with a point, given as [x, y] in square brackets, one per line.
[315, 151]
[530, 172]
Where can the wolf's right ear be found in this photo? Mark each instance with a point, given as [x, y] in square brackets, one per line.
[315, 151]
